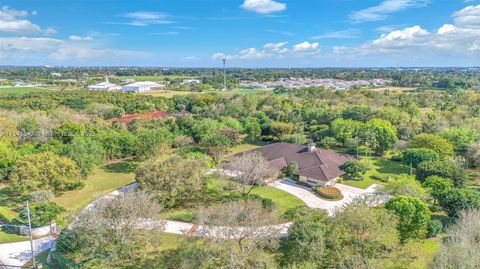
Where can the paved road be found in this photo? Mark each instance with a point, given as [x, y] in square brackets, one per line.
[19, 253]
[313, 201]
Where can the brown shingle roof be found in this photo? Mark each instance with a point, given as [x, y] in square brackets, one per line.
[320, 164]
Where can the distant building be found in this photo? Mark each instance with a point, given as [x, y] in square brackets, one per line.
[104, 86]
[55, 74]
[128, 80]
[191, 82]
[141, 87]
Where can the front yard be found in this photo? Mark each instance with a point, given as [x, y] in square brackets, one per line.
[220, 189]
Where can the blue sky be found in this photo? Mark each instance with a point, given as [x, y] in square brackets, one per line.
[249, 33]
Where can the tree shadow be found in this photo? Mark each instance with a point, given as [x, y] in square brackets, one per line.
[121, 167]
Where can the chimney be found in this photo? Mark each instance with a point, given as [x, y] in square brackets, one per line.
[311, 146]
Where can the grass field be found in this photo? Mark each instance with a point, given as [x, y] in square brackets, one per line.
[22, 90]
[427, 250]
[105, 179]
[216, 194]
[378, 168]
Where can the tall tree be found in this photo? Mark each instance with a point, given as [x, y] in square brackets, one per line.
[414, 216]
[174, 180]
[44, 170]
[250, 170]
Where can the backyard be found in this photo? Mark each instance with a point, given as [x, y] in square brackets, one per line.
[379, 171]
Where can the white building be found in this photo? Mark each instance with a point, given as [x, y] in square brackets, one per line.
[144, 86]
[104, 86]
[191, 82]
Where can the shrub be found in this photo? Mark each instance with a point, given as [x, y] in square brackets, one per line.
[417, 155]
[43, 214]
[184, 216]
[292, 168]
[266, 202]
[41, 196]
[354, 169]
[434, 228]
[445, 169]
[330, 193]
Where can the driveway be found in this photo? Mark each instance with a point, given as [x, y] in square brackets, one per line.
[314, 201]
[15, 255]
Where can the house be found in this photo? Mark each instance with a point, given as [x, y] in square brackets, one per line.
[144, 86]
[104, 86]
[315, 166]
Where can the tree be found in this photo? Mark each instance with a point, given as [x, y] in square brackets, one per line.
[232, 134]
[67, 131]
[415, 156]
[473, 155]
[343, 130]
[292, 168]
[384, 133]
[413, 214]
[445, 169]
[118, 144]
[354, 170]
[150, 141]
[250, 170]
[44, 170]
[437, 186]
[460, 248]
[408, 186]
[86, 153]
[279, 129]
[204, 128]
[113, 230]
[172, 181]
[252, 127]
[455, 200]
[361, 236]
[434, 142]
[216, 146]
[306, 240]
[357, 113]
[29, 130]
[238, 228]
[8, 158]
[460, 137]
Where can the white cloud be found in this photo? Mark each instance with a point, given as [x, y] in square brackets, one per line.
[275, 46]
[455, 42]
[343, 34]
[397, 38]
[306, 47]
[24, 49]
[79, 38]
[468, 17]
[145, 18]
[384, 9]
[13, 21]
[263, 6]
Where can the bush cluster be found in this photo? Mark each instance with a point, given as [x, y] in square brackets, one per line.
[330, 193]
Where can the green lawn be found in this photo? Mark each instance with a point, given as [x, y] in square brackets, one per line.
[170, 94]
[216, 193]
[245, 146]
[379, 168]
[22, 90]
[105, 179]
[428, 249]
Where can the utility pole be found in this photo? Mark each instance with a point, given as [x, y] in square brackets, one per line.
[224, 60]
[31, 239]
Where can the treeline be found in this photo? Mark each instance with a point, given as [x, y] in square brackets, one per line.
[424, 78]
